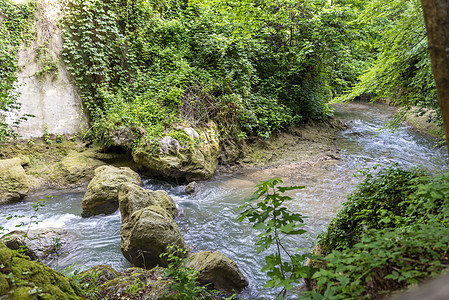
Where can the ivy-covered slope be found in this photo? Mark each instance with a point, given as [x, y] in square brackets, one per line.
[15, 30]
[148, 64]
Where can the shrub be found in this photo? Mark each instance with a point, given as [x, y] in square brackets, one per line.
[380, 201]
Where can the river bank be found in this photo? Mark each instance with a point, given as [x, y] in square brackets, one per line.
[70, 163]
[207, 218]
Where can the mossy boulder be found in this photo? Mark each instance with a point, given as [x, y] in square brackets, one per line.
[21, 278]
[218, 270]
[102, 192]
[14, 184]
[196, 161]
[147, 235]
[133, 198]
[76, 168]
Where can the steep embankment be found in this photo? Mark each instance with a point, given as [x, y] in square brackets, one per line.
[44, 87]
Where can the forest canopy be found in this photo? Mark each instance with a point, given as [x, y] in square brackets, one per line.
[252, 67]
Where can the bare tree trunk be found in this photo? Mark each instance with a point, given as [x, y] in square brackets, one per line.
[436, 15]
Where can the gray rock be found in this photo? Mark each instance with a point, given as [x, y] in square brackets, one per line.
[133, 198]
[14, 184]
[169, 145]
[147, 235]
[192, 188]
[102, 192]
[44, 244]
[217, 269]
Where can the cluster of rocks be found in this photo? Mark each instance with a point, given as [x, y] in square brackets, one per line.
[148, 227]
[148, 230]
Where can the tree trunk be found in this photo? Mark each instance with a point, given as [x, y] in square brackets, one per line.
[436, 15]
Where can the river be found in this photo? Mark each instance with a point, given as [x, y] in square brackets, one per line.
[207, 219]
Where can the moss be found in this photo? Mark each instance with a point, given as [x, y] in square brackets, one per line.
[425, 123]
[4, 285]
[25, 278]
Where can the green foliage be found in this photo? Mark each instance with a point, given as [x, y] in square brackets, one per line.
[377, 203]
[15, 29]
[59, 139]
[87, 283]
[145, 65]
[264, 115]
[47, 139]
[400, 237]
[276, 222]
[383, 261]
[185, 280]
[392, 233]
[401, 71]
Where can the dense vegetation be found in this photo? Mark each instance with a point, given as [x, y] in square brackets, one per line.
[392, 233]
[399, 69]
[253, 67]
[15, 29]
[146, 65]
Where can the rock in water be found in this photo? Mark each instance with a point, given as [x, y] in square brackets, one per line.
[192, 188]
[147, 235]
[14, 183]
[133, 198]
[102, 192]
[217, 269]
[45, 244]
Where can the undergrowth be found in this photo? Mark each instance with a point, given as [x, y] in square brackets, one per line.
[392, 233]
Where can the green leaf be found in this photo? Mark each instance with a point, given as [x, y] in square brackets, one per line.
[289, 188]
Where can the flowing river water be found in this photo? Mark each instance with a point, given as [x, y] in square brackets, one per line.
[207, 219]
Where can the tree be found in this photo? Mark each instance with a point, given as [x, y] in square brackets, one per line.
[436, 15]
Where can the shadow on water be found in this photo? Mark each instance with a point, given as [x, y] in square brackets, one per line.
[207, 219]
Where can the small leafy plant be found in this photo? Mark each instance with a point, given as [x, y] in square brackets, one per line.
[185, 279]
[47, 139]
[266, 211]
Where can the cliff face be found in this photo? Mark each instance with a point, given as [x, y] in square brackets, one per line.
[45, 88]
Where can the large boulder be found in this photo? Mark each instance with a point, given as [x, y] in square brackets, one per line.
[217, 269]
[147, 235]
[102, 192]
[45, 244]
[133, 198]
[21, 278]
[77, 168]
[195, 162]
[14, 184]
